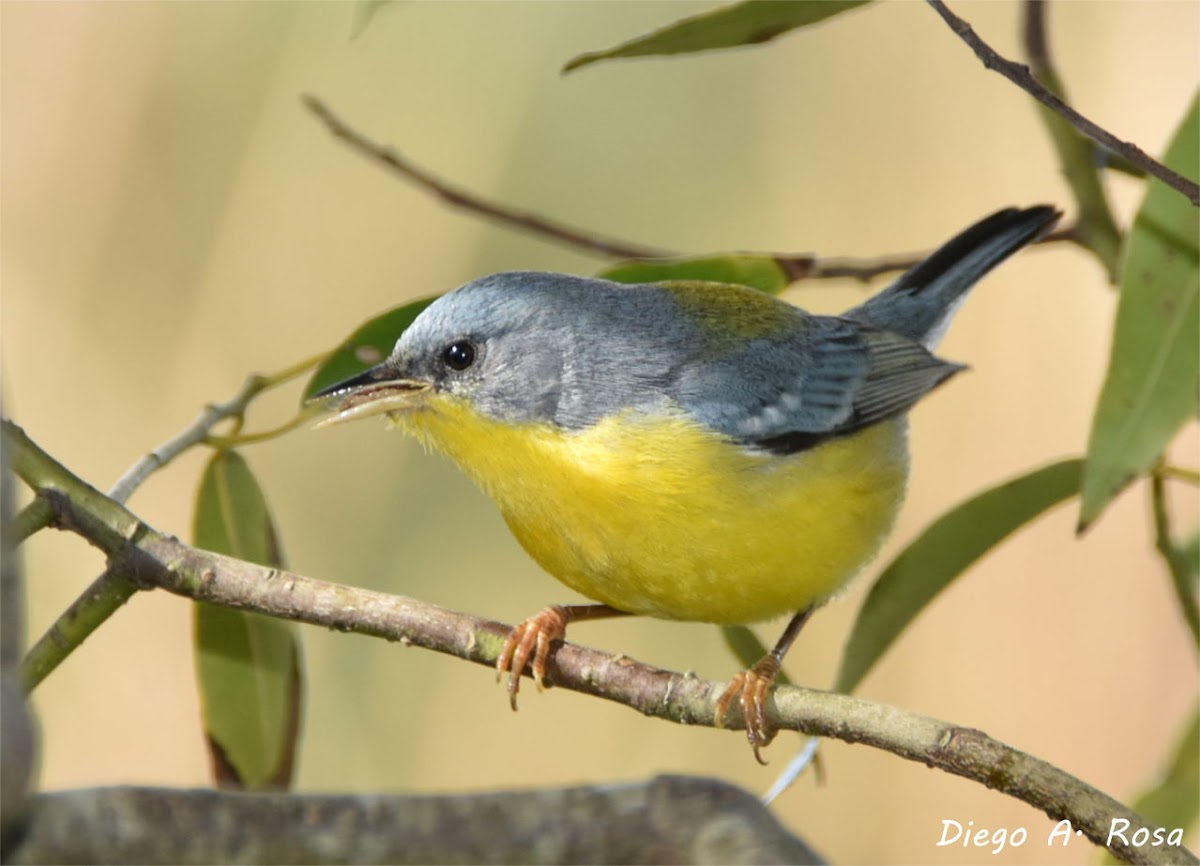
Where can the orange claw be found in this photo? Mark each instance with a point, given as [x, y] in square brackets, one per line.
[752, 686]
[532, 637]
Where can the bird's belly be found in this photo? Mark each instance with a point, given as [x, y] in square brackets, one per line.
[659, 516]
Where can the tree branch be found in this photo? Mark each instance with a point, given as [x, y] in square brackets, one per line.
[393, 161]
[1019, 75]
[154, 559]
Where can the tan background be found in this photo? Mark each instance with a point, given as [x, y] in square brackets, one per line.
[173, 219]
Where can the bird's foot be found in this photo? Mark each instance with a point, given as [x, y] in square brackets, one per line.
[751, 688]
[531, 638]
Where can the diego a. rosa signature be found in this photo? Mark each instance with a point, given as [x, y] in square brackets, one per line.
[955, 833]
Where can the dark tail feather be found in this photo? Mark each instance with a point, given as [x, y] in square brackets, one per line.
[919, 304]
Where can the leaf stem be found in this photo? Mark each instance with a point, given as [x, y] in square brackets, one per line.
[280, 377]
[1182, 578]
[1179, 473]
[236, 439]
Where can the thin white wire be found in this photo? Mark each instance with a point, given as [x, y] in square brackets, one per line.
[793, 770]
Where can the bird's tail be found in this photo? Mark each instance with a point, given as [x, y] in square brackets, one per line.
[921, 303]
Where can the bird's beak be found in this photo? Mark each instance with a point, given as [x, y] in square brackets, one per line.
[377, 391]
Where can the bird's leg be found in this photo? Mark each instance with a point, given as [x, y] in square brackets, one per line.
[753, 685]
[533, 637]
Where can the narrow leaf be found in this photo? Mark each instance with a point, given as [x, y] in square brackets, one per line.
[761, 272]
[231, 513]
[942, 552]
[749, 23]
[1151, 386]
[367, 346]
[247, 665]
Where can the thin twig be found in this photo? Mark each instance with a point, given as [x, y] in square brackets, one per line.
[192, 435]
[1177, 564]
[109, 592]
[199, 430]
[394, 161]
[154, 558]
[1020, 75]
[87, 613]
[236, 440]
[33, 517]
[798, 266]
[811, 267]
[1179, 473]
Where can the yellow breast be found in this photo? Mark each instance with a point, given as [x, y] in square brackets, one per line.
[660, 516]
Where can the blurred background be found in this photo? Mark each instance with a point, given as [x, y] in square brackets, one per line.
[174, 219]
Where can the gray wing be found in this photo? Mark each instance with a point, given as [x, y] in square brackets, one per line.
[835, 377]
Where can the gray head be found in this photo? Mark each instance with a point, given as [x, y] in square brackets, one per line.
[529, 346]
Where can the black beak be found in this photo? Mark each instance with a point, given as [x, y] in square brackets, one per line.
[373, 375]
[381, 390]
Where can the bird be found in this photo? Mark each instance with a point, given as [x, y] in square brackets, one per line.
[684, 450]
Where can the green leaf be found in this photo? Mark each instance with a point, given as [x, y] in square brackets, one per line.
[231, 513]
[749, 23]
[1095, 228]
[367, 346]
[1151, 386]
[1175, 801]
[762, 272]
[247, 665]
[944, 551]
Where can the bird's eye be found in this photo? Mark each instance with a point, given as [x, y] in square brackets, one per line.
[459, 355]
